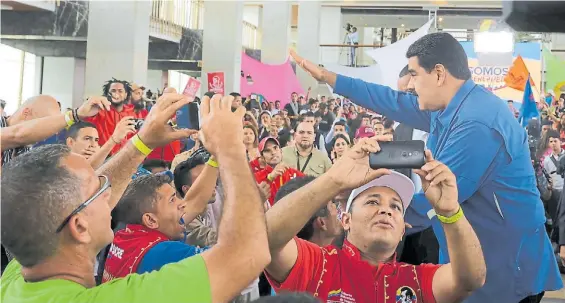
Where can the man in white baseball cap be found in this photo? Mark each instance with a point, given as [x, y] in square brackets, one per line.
[364, 269]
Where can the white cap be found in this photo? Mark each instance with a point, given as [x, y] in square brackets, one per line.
[396, 181]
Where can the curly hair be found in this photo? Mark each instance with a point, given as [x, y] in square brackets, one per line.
[127, 87]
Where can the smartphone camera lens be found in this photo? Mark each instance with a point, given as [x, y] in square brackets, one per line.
[404, 154]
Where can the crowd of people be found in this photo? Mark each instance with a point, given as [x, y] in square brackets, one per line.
[276, 201]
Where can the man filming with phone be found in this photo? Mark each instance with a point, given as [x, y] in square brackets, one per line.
[365, 268]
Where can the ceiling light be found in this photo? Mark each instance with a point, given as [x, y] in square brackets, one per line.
[440, 19]
[402, 25]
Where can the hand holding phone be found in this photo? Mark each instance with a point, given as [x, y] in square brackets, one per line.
[399, 154]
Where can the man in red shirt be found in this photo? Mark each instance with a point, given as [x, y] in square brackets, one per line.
[364, 268]
[275, 173]
[117, 92]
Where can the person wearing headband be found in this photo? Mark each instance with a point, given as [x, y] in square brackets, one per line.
[365, 269]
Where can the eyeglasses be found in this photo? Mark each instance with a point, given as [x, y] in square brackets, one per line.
[104, 185]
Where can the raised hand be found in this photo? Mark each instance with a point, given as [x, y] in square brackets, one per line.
[278, 170]
[352, 169]
[123, 128]
[313, 69]
[155, 131]
[221, 129]
[439, 185]
[93, 106]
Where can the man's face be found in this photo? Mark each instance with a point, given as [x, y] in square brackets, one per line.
[136, 95]
[94, 222]
[236, 102]
[427, 85]
[339, 129]
[168, 212]
[375, 219]
[272, 153]
[294, 97]
[331, 221]
[545, 128]
[277, 104]
[248, 136]
[310, 120]
[366, 121]
[86, 142]
[402, 83]
[323, 99]
[379, 128]
[118, 93]
[194, 174]
[301, 100]
[304, 135]
[555, 144]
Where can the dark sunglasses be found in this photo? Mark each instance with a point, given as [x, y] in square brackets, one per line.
[104, 185]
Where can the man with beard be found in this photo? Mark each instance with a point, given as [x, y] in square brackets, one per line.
[303, 156]
[117, 92]
[137, 101]
[276, 173]
[421, 247]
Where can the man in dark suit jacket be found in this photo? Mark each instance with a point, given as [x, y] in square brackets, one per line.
[293, 108]
[421, 247]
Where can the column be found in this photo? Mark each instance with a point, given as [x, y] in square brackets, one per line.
[308, 44]
[156, 80]
[221, 51]
[117, 43]
[366, 37]
[63, 78]
[330, 22]
[275, 31]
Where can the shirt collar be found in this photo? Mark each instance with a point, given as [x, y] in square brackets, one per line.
[353, 252]
[444, 117]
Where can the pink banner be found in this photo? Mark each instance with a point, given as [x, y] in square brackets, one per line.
[274, 82]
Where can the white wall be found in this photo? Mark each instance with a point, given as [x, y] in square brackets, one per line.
[330, 33]
[154, 80]
[252, 14]
[63, 78]
[10, 72]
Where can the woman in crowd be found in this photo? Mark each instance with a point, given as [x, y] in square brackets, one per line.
[264, 123]
[340, 145]
[250, 140]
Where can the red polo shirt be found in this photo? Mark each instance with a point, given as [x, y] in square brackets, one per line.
[289, 174]
[339, 275]
[106, 121]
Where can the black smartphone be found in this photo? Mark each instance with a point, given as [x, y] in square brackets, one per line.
[399, 154]
[188, 116]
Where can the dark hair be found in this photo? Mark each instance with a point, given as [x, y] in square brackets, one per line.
[289, 187]
[235, 95]
[284, 137]
[182, 170]
[37, 193]
[75, 128]
[388, 123]
[403, 72]
[306, 115]
[127, 87]
[553, 134]
[139, 198]
[340, 122]
[441, 48]
[279, 101]
[340, 136]
[313, 101]
[154, 163]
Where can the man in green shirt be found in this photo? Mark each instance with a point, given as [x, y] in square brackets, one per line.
[56, 218]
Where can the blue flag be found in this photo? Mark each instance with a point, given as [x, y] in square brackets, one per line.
[529, 108]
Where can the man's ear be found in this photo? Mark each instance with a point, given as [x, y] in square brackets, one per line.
[78, 228]
[346, 221]
[69, 142]
[441, 74]
[150, 220]
[321, 224]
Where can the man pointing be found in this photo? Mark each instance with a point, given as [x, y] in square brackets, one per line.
[474, 134]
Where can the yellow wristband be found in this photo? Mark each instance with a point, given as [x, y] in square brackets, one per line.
[212, 163]
[450, 220]
[144, 149]
[69, 118]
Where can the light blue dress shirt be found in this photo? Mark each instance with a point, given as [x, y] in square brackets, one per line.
[479, 139]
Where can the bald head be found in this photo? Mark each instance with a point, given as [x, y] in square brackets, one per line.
[36, 107]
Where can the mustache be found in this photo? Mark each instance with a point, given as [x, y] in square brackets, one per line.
[412, 91]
